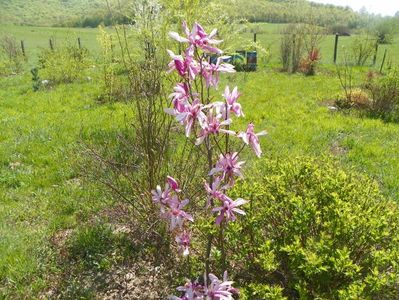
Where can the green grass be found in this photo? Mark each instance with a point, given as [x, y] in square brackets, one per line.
[36, 38]
[40, 134]
[38, 196]
[289, 108]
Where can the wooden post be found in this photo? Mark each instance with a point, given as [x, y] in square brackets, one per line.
[336, 47]
[112, 44]
[375, 54]
[23, 48]
[383, 60]
[51, 44]
[255, 37]
[293, 54]
[79, 43]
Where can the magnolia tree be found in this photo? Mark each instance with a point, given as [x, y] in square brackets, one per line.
[207, 124]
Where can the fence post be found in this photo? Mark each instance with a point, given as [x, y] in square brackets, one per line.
[293, 62]
[383, 60]
[112, 45]
[23, 48]
[254, 37]
[79, 43]
[375, 54]
[51, 44]
[336, 47]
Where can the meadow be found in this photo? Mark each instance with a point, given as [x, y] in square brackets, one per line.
[43, 193]
[268, 36]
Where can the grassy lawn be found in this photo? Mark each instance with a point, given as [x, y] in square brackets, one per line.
[39, 183]
[41, 191]
[290, 108]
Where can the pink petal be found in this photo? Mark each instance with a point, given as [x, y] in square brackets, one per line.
[240, 201]
[189, 217]
[177, 37]
[264, 132]
[219, 219]
[199, 140]
[231, 132]
[184, 203]
[239, 211]
[172, 182]
[244, 137]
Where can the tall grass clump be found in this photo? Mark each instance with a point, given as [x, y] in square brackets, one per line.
[384, 92]
[362, 48]
[114, 84]
[11, 57]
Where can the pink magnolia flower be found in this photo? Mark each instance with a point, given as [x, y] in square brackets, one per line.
[183, 240]
[218, 289]
[180, 97]
[198, 37]
[212, 125]
[229, 166]
[161, 197]
[214, 190]
[192, 291]
[251, 138]
[175, 213]
[164, 197]
[173, 184]
[185, 66]
[231, 101]
[228, 209]
[192, 113]
[211, 71]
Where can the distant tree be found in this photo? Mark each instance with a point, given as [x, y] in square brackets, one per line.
[363, 11]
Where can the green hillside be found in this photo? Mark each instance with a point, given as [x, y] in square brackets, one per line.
[46, 13]
[85, 13]
[293, 11]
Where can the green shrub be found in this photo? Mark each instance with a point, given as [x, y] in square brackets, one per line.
[384, 31]
[340, 29]
[64, 65]
[385, 96]
[11, 57]
[262, 291]
[36, 82]
[113, 85]
[362, 49]
[300, 42]
[292, 47]
[314, 231]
